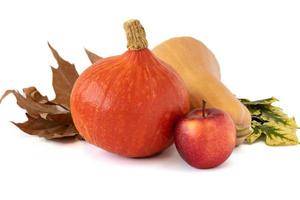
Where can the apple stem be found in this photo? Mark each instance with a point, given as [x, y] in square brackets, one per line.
[203, 108]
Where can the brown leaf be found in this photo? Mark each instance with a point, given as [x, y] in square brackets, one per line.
[63, 79]
[49, 119]
[7, 92]
[92, 56]
[47, 129]
[35, 95]
[32, 107]
[65, 118]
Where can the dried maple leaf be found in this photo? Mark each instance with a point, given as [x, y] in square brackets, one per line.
[32, 107]
[45, 119]
[92, 56]
[49, 119]
[63, 80]
[47, 128]
[35, 95]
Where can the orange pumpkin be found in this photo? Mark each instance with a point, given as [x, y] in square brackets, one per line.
[129, 104]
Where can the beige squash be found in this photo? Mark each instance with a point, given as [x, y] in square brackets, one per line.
[199, 69]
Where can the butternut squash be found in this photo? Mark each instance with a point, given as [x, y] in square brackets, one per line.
[200, 71]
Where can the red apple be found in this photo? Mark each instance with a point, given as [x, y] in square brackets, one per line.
[205, 139]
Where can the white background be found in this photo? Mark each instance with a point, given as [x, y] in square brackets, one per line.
[256, 42]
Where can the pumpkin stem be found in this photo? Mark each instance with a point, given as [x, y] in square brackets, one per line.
[136, 36]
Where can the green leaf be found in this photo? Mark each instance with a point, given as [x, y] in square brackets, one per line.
[279, 135]
[267, 101]
[257, 132]
[254, 111]
[271, 122]
[272, 113]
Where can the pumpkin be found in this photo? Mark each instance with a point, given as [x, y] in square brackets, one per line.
[129, 104]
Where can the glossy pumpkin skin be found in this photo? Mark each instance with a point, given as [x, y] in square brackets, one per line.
[129, 104]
